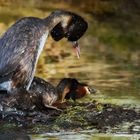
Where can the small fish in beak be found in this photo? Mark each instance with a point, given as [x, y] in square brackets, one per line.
[76, 48]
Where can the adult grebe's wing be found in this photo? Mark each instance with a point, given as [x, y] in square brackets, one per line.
[17, 42]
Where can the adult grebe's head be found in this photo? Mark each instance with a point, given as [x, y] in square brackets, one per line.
[71, 27]
[71, 88]
[77, 90]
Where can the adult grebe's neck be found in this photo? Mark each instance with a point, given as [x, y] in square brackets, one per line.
[57, 17]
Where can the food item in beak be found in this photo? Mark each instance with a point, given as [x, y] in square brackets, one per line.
[76, 48]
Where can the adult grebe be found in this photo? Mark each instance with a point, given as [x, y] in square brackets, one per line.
[42, 94]
[21, 45]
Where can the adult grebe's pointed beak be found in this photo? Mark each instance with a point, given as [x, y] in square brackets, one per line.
[76, 48]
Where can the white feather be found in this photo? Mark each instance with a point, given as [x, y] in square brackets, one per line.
[6, 85]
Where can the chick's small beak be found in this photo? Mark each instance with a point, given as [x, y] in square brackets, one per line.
[76, 48]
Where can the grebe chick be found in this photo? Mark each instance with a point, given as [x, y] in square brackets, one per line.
[22, 44]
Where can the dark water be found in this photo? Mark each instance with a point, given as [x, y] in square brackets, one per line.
[116, 80]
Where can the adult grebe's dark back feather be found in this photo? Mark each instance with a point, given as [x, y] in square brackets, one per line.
[21, 45]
